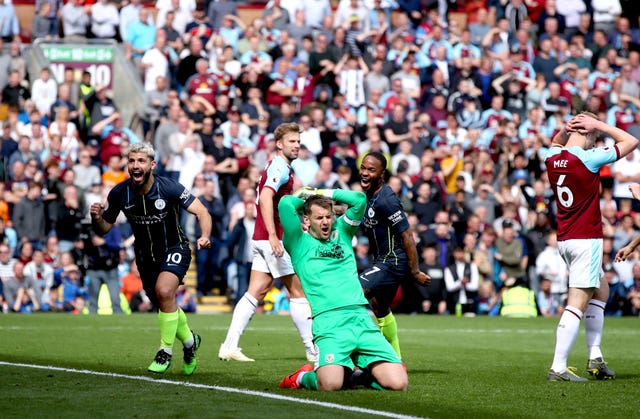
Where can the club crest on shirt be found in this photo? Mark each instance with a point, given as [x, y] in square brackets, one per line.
[160, 204]
[329, 358]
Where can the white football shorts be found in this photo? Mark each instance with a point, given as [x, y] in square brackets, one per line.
[265, 261]
[584, 258]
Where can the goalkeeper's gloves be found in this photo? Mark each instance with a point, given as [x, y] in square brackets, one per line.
[307, 191]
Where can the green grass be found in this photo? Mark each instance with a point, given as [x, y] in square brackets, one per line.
[458, 368]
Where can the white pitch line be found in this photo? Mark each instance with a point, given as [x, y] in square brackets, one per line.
[336, 406]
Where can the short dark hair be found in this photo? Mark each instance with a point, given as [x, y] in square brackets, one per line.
[34, 184]
[319, 200]
[380, 157]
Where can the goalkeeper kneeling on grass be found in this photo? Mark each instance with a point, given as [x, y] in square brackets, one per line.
[345, 335]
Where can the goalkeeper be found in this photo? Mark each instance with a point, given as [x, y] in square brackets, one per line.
[343, 332]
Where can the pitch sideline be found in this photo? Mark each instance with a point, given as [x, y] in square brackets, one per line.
[336, 406]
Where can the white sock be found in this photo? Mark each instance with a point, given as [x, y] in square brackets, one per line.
[593, 325]
[167, 350]
[301, 316]
[188, 342]
[566, 333]
[299, 378]
[242, 313]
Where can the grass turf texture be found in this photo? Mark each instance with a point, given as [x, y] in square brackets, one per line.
[458, 367]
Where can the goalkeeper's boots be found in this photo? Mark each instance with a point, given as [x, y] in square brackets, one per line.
[599, 369]
[189, 358]
[160, 363]
[566, 375]
[291, 380]
[235, 354]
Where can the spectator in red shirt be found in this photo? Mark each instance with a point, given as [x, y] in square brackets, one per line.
[202, 83]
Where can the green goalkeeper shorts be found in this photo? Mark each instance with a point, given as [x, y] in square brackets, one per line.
[348, 336]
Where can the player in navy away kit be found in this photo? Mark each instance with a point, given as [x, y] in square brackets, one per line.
[152, 206]
[386, 225]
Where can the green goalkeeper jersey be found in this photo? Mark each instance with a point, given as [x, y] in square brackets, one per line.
[327, 269]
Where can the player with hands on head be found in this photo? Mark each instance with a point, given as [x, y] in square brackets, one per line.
[345, 335]
[395, 255]
[163, 252]
[270, 261]
[573, 166]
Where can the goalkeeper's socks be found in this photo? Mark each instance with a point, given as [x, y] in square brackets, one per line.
[168, 323]
[308, 380]
[242, 313]
[389, 329]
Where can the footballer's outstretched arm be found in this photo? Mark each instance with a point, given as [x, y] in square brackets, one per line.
[626, 251]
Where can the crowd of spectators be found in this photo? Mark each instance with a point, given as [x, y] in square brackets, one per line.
[462, 97]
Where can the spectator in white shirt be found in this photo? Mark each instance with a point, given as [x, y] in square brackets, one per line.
[310, 136]
[75, 19]
[44, 91]
[404, 153]
[104, 19]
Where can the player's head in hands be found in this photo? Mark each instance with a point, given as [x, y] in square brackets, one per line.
[287, 137]
[319, 216]
[581, 131]
[140, 163]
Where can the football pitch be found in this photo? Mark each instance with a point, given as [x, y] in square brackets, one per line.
[65, 366]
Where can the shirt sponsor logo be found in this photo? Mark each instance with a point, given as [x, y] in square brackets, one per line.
[184, 195]
[370, 222]
[147, 219]
[335, 251]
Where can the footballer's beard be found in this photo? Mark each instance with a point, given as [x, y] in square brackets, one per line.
[139, 178]
[290, 155]
[321, 232]
[370, 185]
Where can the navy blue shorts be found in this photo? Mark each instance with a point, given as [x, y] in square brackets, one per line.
[176, 261]
[383, 277]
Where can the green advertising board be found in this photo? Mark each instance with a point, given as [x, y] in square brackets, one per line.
[96, 59]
